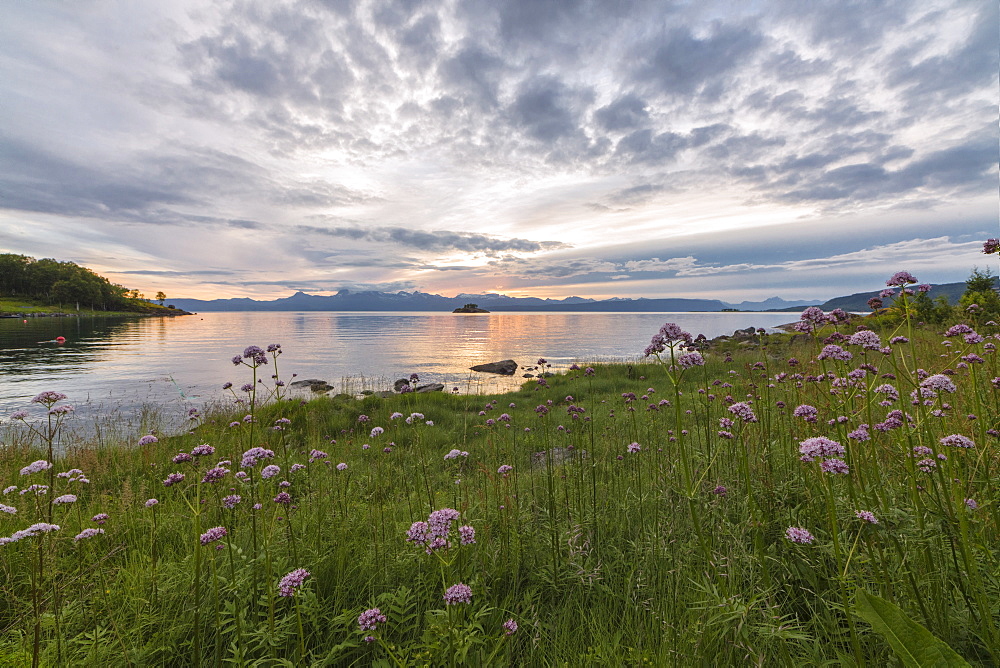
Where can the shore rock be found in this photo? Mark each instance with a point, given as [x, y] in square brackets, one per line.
[503, 367]
[313, 384]
[400, 384]
[430, 387]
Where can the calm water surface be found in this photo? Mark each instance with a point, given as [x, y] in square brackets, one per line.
[182, 362]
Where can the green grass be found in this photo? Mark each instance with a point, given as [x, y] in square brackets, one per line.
[602, 556]
[23, 305]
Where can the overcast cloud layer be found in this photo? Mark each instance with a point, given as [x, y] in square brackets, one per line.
[544, 147]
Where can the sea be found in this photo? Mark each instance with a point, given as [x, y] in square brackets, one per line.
[128, 366]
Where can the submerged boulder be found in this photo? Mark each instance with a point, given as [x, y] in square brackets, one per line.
[503, 367]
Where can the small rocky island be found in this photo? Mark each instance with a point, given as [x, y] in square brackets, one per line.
[470, 308]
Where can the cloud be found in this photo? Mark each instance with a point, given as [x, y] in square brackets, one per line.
[440, 240]
[548, 110]
[627, 112]
[679, 63]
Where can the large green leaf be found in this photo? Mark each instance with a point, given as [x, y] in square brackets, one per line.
[915, 645]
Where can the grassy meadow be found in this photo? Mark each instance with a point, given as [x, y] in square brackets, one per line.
[825, 498]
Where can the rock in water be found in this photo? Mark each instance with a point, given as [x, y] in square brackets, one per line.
[503, 367]
[306, 383]
[430, 387]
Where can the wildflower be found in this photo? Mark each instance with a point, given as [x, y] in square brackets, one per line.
[875, 303]
[866, 516]
[589, 371]
[720, 491]
[87, 533]
[370, 619]
[376, 431]
[799, 535]
[834, 352]
[743, 411]
[860, 434]
[37, 489]
[960, 328]
[728, 435]
[458, 593]
[455, 454]
[468, 534]
[173, 479]
[61, 410]
[213, 534]
[837, 466]
[36, 467]
[10, 510]
[48, 397]
[234, 424]
[283, 498]
[231, 501]
[418, 533]
[270, 471]
[806, 412]
[505, 469]
[938, 383]
[148, 439]
[150, 503]
[866, 338]
[317, 454]
[254, 455]
[971, 503]
[901, 278]
[363, 418]
[819, 446]
[634, 447]
[510, 627]
[395, 416]
[957, 441]
[440, 521]
[65, 498]
[689, 360]
[926, 465]
[292, 581]
[181, 457]
[202, 450]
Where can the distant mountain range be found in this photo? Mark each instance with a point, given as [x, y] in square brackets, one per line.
[348, 300]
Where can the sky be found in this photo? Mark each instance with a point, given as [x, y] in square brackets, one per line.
[596, 148]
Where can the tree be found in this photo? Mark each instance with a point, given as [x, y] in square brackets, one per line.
[981, 289]
[160, 296]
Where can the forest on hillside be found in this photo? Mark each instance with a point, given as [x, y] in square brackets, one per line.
[66, 283]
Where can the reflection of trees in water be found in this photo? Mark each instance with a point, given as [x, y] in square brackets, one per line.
[23, 353]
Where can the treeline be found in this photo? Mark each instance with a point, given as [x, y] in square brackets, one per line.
[55, 282]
